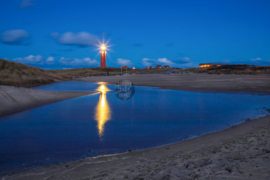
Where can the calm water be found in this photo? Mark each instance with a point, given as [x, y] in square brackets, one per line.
[66, 130]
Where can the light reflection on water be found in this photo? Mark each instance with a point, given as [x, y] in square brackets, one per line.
[103, 110]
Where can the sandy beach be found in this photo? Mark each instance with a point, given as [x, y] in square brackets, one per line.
[239, 152]
[15, 99]
[194, 82]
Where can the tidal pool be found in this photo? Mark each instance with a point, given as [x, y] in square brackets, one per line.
[103, 124]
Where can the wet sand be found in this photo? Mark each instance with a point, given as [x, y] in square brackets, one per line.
[15, 99]
[194, 82]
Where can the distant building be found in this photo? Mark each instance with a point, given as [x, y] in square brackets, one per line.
[150, 67]
[123, 67]
[166, 66]
[158, 67]
[210, 65]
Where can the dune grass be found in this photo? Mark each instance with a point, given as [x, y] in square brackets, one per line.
[17, 74]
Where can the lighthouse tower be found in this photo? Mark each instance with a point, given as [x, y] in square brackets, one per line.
[103, 55]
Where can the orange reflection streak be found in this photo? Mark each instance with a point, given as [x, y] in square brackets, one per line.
[103, 110]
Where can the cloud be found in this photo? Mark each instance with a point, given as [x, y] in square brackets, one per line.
[123, 62]
[256, 59]
[70, 62]
[186, 59]
[26, 3]
[79, 39]
[164, 61]
[31, 59]
[148, 62]
[34, 60]
[260, 61]
[15, 37]
[50, 60]
[78, 62]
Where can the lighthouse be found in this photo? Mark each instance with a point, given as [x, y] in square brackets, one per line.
[103, 55]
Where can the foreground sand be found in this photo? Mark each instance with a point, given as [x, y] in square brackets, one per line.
[240, 152]
[14, 99]
[194, 82]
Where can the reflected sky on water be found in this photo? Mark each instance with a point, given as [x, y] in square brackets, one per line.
[66, 130]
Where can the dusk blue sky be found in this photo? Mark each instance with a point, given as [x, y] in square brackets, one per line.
[56, 34]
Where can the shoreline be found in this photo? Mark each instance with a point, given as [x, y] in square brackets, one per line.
[15, 99]
[196, 91]
[221, 144]
[193, 82]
